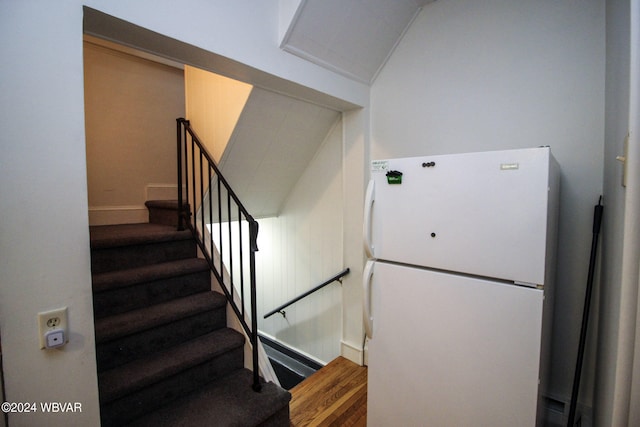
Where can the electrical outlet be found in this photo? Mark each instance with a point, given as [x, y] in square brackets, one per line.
[54, 320]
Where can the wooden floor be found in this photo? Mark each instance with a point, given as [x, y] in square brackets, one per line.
[336, 395]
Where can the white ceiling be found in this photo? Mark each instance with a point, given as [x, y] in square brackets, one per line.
[351, 37]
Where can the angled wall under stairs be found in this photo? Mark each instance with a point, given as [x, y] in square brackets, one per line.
[165, 355]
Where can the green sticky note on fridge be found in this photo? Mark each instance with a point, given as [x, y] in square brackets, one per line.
[394, 177]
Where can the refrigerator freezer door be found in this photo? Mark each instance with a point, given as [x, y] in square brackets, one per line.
[484, 214]
[452, 350]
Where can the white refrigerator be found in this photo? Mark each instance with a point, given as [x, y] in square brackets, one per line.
[458, 287]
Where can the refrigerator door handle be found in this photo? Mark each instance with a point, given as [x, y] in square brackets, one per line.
[368, 207]
[366, 284]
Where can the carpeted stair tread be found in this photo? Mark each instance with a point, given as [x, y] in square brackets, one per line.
[132, 276]
[128, 323]
[126, 379]
[229, 401]
[131, 347]
[163, 204]
[120, 291]
[110, 236]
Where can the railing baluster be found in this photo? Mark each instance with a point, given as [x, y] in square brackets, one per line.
[186, 170]
[201, 198]
[230, 241]
[220, 224]
[241, 259]
[193, 179]
[210, 212]
[253, 242]
[179, 155]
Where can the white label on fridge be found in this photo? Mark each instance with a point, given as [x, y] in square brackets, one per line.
[509, 166]
[379, 166]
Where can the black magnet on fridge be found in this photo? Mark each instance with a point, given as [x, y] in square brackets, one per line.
[394, 177]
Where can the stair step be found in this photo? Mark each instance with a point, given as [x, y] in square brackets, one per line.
[146, 384]
[164, 211]
[124, 290]
[143, 319]
[141, 373]
[229, 401]
[106, 236]
[128, 336]
[115, 247]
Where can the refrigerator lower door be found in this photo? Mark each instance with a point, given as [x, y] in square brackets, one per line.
[450, 350]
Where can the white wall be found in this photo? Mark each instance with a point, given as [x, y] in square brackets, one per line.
[617, 381]
[355, 154]
[616, 128]
[632, 227]
[497, 74]
[44, 249]
[130, 109]
[300, 249]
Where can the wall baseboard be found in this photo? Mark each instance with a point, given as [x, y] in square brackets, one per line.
[162, 191]
[132, 214]
[351, 352]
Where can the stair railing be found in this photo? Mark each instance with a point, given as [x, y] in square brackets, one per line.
[280, 309]
[224, 230]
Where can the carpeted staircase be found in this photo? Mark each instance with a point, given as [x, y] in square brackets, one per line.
[165, 355]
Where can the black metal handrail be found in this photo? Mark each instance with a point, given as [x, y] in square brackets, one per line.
[280, 309]
[204, 188]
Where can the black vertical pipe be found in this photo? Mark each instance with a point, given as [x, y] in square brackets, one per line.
[597, 220]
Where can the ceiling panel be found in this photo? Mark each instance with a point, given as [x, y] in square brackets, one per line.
[352, 37]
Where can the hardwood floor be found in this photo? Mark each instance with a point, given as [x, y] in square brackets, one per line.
[336, 395]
